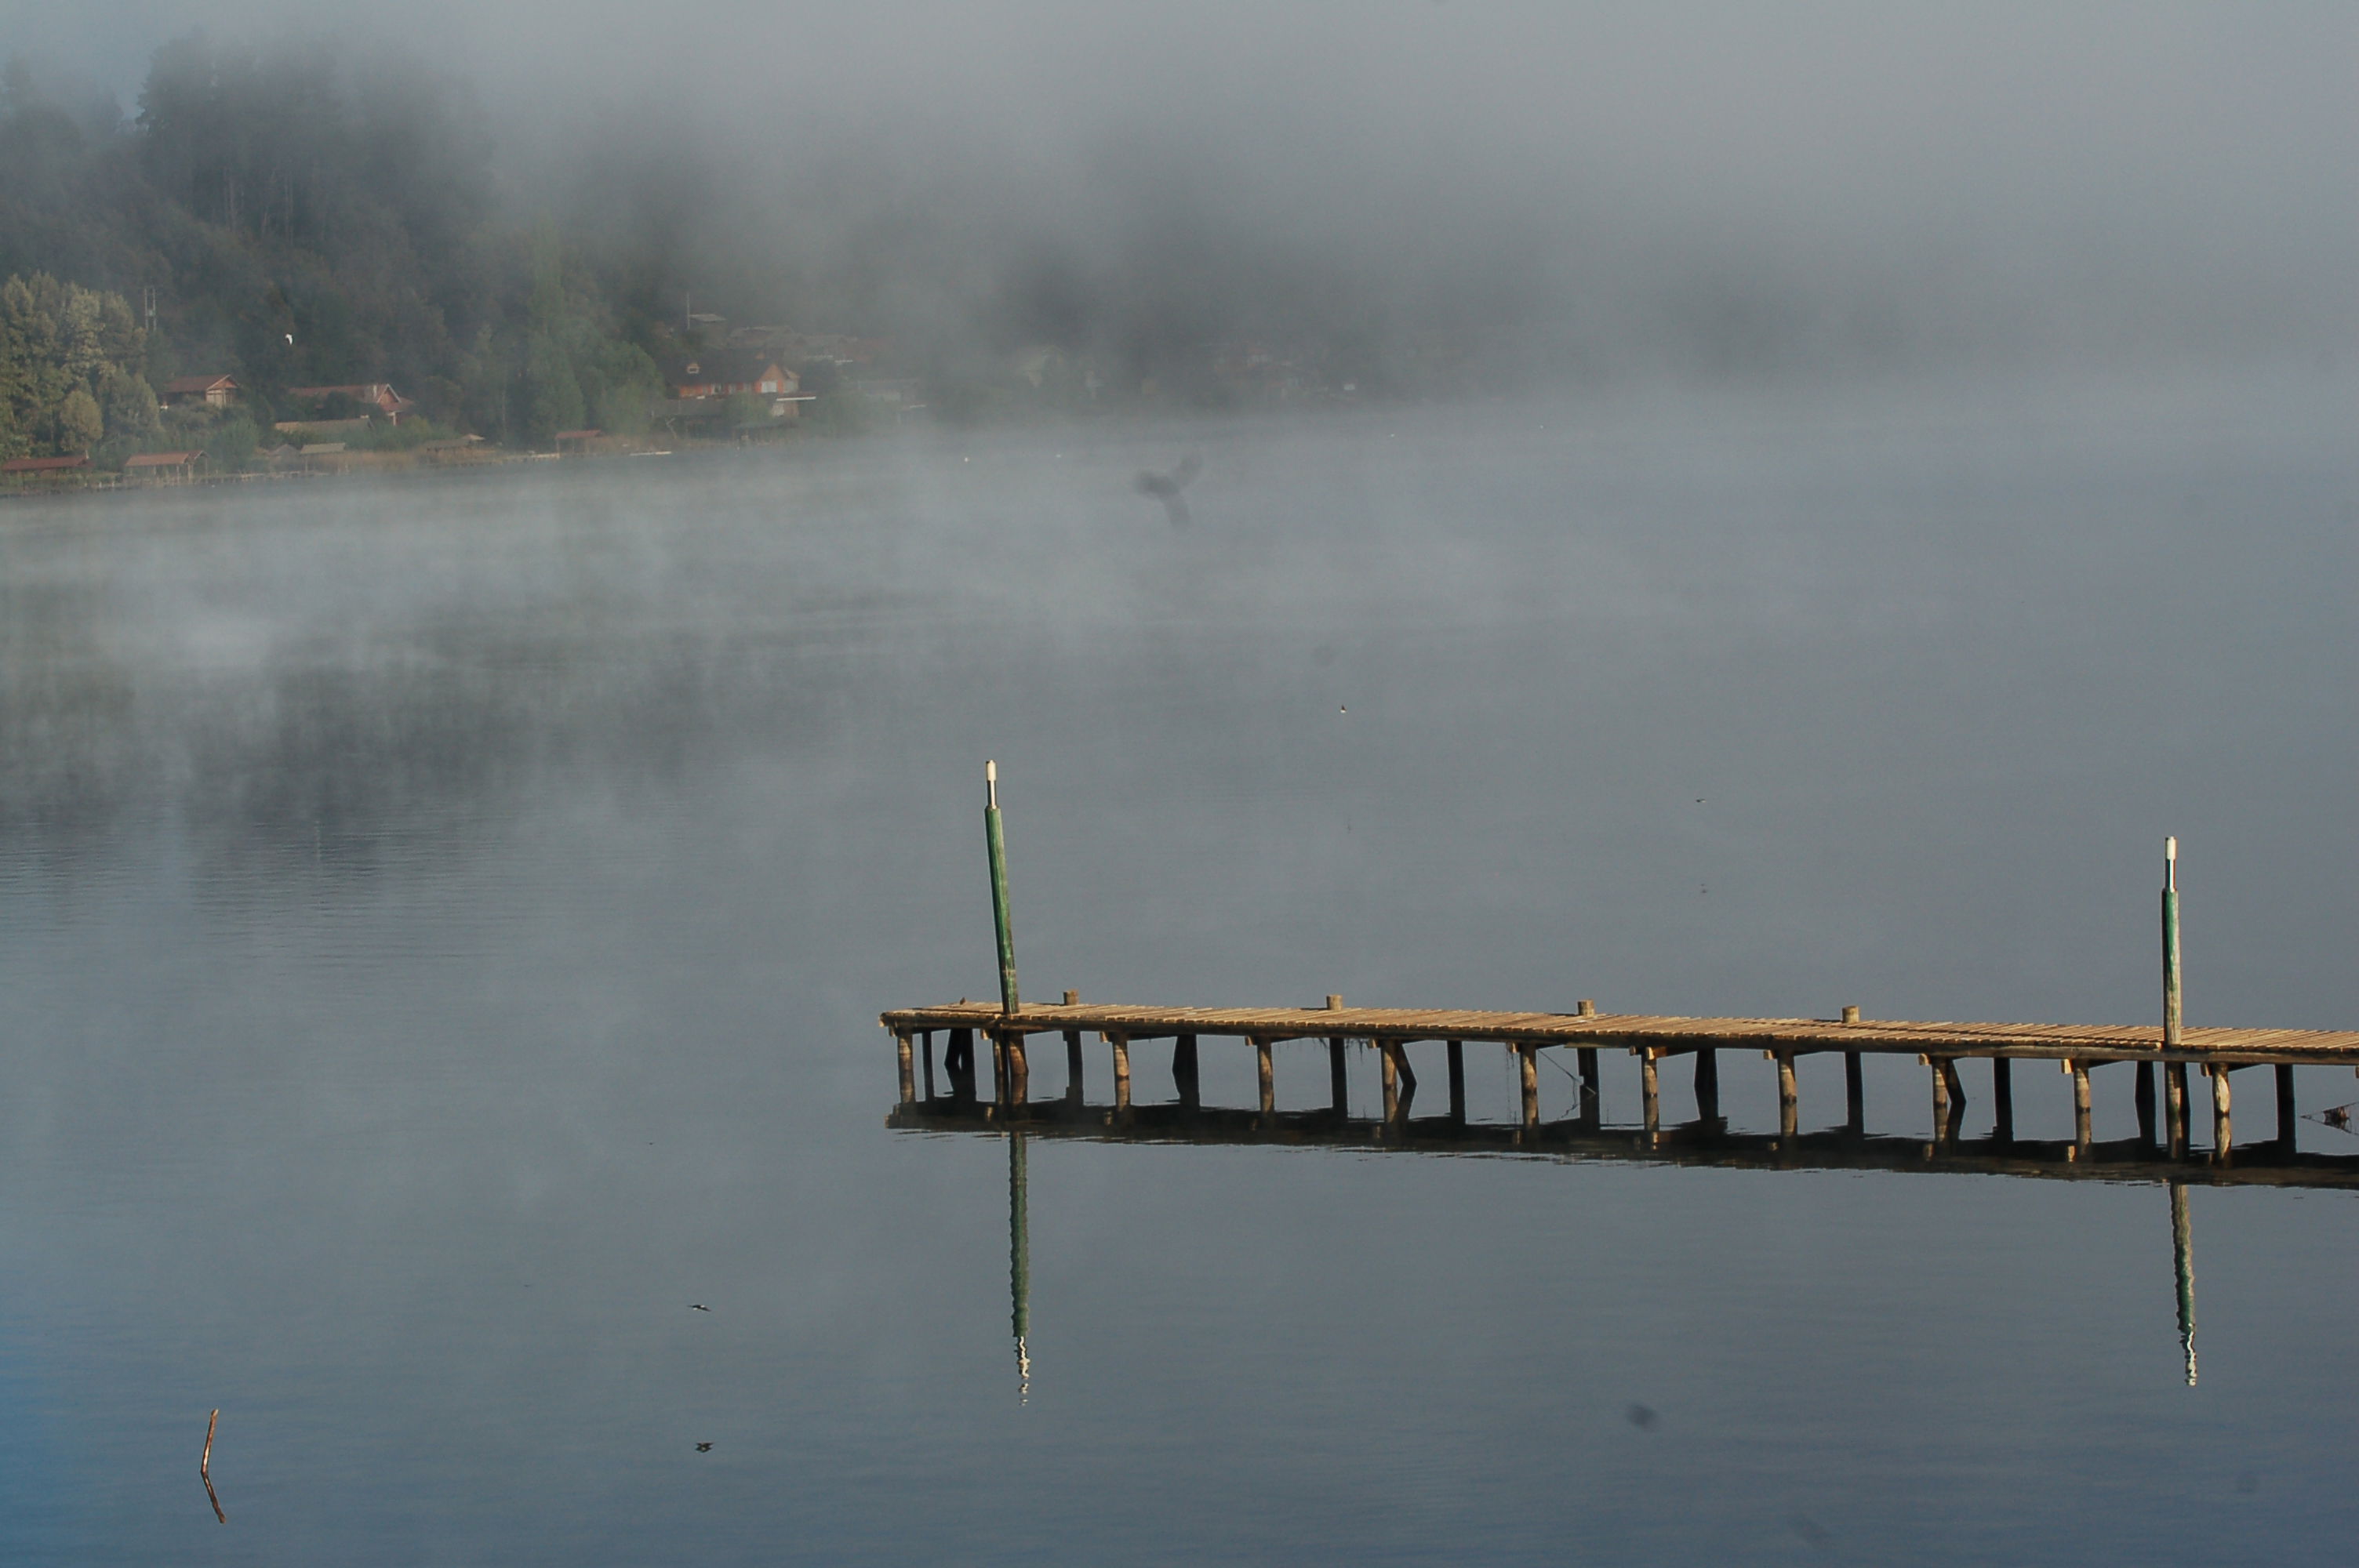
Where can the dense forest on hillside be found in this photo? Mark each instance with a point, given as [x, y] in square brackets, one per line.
[297, 219]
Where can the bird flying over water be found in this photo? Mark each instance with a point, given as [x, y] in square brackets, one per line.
[1165, 488]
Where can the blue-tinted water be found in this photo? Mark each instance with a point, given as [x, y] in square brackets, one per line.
[442, 926]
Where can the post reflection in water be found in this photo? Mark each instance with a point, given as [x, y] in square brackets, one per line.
[2182, 1258]
[1578, 1140]
[1019, 1265]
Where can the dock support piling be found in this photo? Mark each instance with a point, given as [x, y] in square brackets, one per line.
[1019, 1071]
[1788, 1097]
[909, 1065]
[2222, 1135]
[1529, 1057]
[1707, 1084]
[1390, 1070]
[2145, 1102]
[1592, 1098]
[959, 1058]
[1184, 1070]
[1339, 1085]
[926, 1045]
[2284, 1106]
[1268, 1071]
[2003, 1099]
[1073, 1063]
[2081, 1103]
[1941, 1095]
[1121, 1071]
[1650, 1089]
[996, 842]
[1457, 1056]
[2174, 1106]
[1854, 1095]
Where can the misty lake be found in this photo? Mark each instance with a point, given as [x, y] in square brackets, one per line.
[443, 923]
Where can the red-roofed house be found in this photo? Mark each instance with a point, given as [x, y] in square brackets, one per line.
[214, 390]
[376, 394]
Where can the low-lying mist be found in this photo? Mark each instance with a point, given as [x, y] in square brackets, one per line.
[1419, 199]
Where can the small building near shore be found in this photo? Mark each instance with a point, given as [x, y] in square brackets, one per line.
[201, 391]
[734, 372]
[41, 467]
[374, 394]
[163, 467]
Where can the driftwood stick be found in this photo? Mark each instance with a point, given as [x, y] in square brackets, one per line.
[205, 1468]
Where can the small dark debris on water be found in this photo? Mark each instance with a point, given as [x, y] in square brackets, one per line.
[1641, 1416]
[698, 1306]
[705, 1448]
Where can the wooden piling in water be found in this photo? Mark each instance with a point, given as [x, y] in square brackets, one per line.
[1121, 1071]
[1649, 1089]
[1073, 1063]
[1339, 1085]
[2171, 993]
[2002, 1098]
[2222, 1134]
[1941, 1095]
[959, 1057]
[1788, 1097]
[2145, 1092]
[1592, 1098]
[1529, 1057]
[1268, 1070]
[909, 1065]
[2079, 1071]
[1854, 1091]
[1019, 1071]
[994, 841]
[2174, 1106]
[1457, 1059]
[2284, 1104]
[1184, 1077]
[1390, 1075]
[1707, 1084]
[926, 1044]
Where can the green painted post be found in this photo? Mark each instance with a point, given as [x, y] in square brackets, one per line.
[1008, 1001]
[2170, 992]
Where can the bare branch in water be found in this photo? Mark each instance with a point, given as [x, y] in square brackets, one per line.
[205, 1468]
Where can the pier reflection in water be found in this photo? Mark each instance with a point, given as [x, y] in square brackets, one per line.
[1706, 1141]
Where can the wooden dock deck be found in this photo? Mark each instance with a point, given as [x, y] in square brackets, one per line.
[1665, 1035]
[2079, 1049]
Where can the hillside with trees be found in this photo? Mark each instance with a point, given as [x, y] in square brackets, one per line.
[297, 218]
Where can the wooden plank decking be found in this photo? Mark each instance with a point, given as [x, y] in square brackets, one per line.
[1664, 1036]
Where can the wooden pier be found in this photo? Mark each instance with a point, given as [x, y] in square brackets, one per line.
[2079, 1050]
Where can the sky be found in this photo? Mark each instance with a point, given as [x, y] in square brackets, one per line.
[2149, 180]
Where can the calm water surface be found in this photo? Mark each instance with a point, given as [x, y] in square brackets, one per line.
[442, 926]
